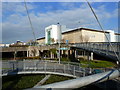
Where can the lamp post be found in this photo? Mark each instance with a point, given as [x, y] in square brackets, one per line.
[59, 40]
[59, 52]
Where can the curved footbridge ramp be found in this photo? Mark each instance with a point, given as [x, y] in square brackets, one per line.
[80, 82]
[43, 67]
[83, 75]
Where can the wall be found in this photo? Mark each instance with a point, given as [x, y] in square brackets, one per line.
[93, 36]
[55, 33]
[110, 36]
[84, 36]
[41, 41]
[117, 37]
[72, 37]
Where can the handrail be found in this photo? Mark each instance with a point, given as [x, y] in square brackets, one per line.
[82, 81]
[42, 65]
[70, 68]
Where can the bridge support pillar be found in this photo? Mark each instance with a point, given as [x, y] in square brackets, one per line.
[75, 53]
[51, 55]
[27, 53]
[15, 54]
[91, 56]
[88, 56]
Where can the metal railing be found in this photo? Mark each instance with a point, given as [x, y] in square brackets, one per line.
[69, 68]
[102, 47]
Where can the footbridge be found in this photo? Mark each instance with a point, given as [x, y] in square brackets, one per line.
[44, 67]
[106, 49]
[83, 76]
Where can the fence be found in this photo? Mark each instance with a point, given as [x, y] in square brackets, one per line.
[112, 49]
[69, 68]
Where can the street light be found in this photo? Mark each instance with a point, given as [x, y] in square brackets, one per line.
[59, 40]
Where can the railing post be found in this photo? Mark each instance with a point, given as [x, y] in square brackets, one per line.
[45, 68]
[68, 66]
[83, 72]
[107, 49]
[79, 65]
[34, 65]
[54, 67]
[64, 68]
[74, 71]
[23, 65]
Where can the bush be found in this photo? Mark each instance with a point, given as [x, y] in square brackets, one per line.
[65, 59]
[37, 57]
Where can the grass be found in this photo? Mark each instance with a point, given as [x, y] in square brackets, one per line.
[19, 82]
[16, 82]
[97, 64]
[57, 78]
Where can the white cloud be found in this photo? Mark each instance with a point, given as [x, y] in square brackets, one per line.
[16, 7]
[17, 26]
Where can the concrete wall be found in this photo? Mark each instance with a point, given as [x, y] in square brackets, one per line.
[72, 37]
[93, 36]
[84, 36]
[41, 41]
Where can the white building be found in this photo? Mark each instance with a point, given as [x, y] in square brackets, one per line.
[53, 33]
[112, 36]
[117, 35]
[4, 45]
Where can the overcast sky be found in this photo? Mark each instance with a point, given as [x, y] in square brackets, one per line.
[15, 24]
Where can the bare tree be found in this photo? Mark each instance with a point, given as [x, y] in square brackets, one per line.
[63, 40]
[52, 40]
[84, 38]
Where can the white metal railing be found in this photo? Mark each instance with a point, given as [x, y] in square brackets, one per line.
[101, 47]
[43, 65]
[70, 68]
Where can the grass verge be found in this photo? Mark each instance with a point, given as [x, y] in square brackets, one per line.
[97, 64]
[19, 82]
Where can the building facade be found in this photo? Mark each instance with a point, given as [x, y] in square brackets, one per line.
[53, 33]
[41, 41]
[78, 35]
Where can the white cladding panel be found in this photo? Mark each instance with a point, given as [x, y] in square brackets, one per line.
[111, 36]
[55, 33]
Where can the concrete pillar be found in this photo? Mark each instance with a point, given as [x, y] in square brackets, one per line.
[88, 56]
[76, 53]
[62, 52]
[68, 53]
[15, 53]
[84, 53]
[37, 53]
[51, 55]
[91, 57]
[28, 54]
